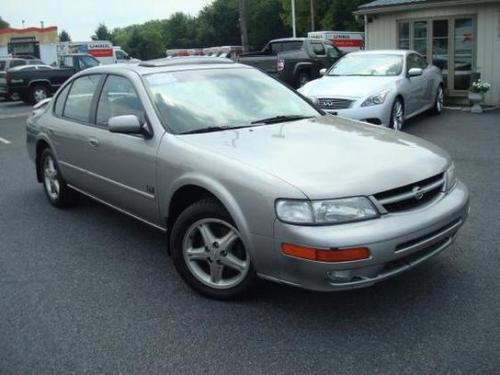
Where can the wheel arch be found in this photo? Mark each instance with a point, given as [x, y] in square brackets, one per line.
[41, 144]
[190, 189]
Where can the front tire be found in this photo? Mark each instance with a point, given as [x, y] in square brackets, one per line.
[303, 78]
[56, 190]
[208, 252]
[397, 117]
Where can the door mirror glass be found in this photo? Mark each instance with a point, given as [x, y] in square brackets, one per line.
[414, 72]
[127, 124]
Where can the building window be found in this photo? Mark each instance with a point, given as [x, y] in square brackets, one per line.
[449, 43]
[404, 35]
[420, 37]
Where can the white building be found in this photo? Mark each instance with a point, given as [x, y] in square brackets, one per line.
[32, 41]
[462, 37]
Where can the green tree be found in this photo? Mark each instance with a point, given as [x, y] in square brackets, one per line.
[179, 31]
[218, 24]
[3, 24]
[101, 33]
[268, 12]
[64, 36]
[329, 15]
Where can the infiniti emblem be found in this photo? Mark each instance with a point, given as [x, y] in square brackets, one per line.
[418, 192]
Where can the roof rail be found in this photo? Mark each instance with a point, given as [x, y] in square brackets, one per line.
[185, 60]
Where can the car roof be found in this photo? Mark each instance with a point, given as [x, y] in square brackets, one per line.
[170, 65]
[401, 52]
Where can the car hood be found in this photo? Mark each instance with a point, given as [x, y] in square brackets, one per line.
[329, 157]
[348, 87]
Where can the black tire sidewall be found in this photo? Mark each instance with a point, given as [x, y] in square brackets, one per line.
[435, 107]
[203, 209]
[66, 196]
[299, 78]
[391, 123]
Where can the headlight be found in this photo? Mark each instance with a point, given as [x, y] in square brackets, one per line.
[325, 212]
[450, 178]
[375, 99]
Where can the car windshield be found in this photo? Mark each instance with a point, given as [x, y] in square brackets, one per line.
[224, 98]
[368, 65]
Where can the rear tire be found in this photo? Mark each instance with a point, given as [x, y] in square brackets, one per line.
[438, 101]
[56, 190]
[38, 93]
[208, 253]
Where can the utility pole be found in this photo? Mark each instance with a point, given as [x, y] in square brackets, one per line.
[312, 15]
[293, 19]
[243, 25]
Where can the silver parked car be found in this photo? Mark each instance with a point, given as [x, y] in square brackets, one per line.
[246, 177]
[383, 87]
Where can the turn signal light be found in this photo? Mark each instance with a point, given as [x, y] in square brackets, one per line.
[334, 255]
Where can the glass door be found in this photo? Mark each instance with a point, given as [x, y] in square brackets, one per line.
[463, 53]
[440, 52]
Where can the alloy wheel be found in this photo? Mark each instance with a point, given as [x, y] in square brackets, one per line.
[440, 100]
[50, 177]
[214, 253]
[397, 115]
[39, 95]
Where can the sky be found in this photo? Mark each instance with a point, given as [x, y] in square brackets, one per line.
[81, 17]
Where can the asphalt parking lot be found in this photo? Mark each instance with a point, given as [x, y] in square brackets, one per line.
[89, 290]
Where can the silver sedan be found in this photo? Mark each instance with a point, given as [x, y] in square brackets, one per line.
[246, 177]
[384, 87]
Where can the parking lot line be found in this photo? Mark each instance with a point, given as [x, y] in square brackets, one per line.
[3, 140]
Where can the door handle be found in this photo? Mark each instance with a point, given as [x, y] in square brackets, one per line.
[93, 142]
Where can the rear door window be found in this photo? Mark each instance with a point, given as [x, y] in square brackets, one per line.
[61, 98]
[292, 46]
[2, 65]
[318, 48]
[276, 48]
[118, 97]
[80, 97]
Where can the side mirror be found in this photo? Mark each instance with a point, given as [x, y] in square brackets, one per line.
[322, 72]
[415, 72]
[127, 124]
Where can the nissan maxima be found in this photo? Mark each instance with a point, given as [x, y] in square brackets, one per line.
[247, 178]
[384, 87]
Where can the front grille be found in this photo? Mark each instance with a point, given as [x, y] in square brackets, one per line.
[410, 259]
[412, 195]
[415, 241]
[334, 103]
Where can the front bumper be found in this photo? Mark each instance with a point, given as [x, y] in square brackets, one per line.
[397, 242]
[375, 114]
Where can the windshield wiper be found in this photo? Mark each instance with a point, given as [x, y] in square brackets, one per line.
[278, 119]
[211, 129]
